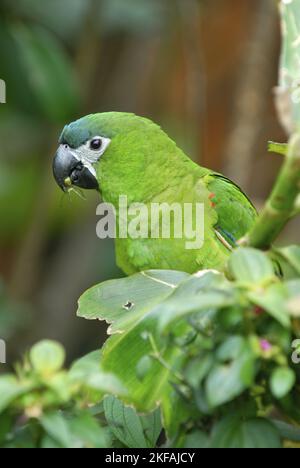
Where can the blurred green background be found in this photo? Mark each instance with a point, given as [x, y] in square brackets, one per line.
[203, 69]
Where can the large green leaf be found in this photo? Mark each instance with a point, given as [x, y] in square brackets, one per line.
[133, 430]
[274, 301]
[87, 371]
[250, 266]
[79, 431]
[228, 380]
[204, 292]
[127, 304]
[123, 302]
[231, 432]
[87, 431]
[47, 357]
[282, 381]
[196, 439]
[291, 255]
[10, 389]
[293, 304]
[122, 354]
[287, 431]
[58, 429]
[177, 411]
[197, 369]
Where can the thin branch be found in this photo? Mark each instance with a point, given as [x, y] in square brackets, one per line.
[282, 202]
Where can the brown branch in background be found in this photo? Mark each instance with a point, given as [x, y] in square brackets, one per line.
[133, 66]
[190, 18]
[88, 55]
[251, 104]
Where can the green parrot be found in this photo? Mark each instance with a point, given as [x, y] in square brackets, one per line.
[121, 154]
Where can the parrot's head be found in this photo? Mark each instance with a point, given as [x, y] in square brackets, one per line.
[81, 145]
[86, 142]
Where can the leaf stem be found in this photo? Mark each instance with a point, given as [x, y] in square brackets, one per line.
[280, 207]
[156, 355]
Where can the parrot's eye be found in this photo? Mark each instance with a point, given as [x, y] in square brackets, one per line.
[96, 144]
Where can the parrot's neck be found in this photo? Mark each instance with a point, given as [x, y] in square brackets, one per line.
[161, 175]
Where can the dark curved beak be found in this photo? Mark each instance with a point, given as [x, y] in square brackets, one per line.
[63, 165]
[68, 171]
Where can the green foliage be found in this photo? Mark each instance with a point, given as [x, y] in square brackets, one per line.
[200, 345]
[44, 64]
[13, 316]
[232, 432]
[144, 429]
[33, 63]
[45, 406]
[205, 357]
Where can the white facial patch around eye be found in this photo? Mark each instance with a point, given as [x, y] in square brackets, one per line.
[89, 156]
[87, 153]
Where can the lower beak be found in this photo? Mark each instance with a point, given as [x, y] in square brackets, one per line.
[63, 163]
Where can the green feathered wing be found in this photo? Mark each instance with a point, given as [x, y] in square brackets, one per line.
[236, 213]
[229, 215]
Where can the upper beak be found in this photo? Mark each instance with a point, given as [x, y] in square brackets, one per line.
[63, 164]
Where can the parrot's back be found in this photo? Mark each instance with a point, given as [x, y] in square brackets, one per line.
[227, 216]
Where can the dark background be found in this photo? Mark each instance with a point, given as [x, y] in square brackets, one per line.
[204, 69]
